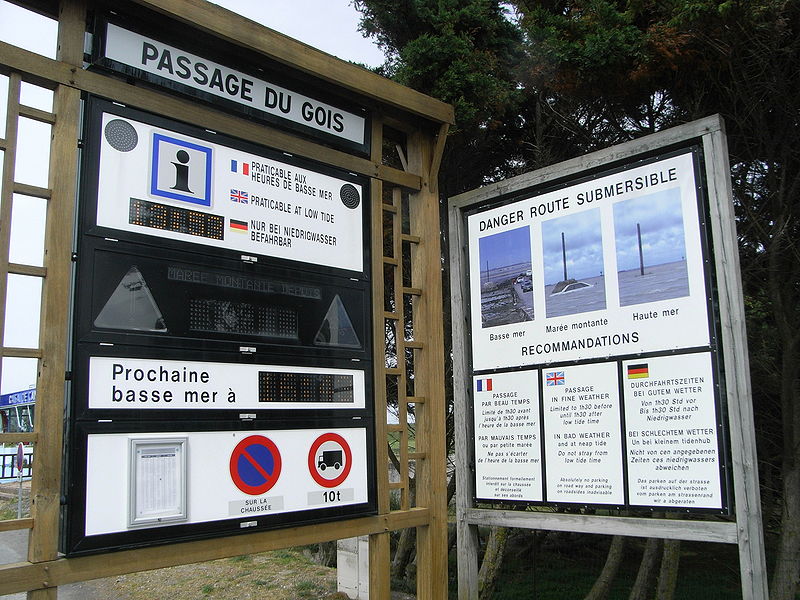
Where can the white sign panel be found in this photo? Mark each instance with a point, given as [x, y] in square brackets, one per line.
[583, 445]
[508, 461]
[673, 446]
[157, 182]
[231, 475]
[602, 268]
[193, 71]
[144, 383]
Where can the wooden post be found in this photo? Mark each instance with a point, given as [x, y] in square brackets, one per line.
[46, 481]
[379, 544]
[431, 473]
[467, 541]
[741, 425]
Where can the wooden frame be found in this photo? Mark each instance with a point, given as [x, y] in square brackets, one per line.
[423, 119]
[746, 531]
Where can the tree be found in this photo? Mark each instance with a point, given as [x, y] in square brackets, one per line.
[739, 59]
[564, 77]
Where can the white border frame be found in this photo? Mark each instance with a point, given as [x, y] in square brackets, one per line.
[182, 514]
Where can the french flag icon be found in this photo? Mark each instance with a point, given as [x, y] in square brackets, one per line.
[240, 167]
[484, 385]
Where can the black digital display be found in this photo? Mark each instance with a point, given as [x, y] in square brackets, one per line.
[247, 318]
[304, 387]
[173, 218]
[138, 296]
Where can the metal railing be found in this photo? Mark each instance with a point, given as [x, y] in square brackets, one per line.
[8, 469]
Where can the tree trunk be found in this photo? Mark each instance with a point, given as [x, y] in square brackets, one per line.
[787, 565]
[647, 570]
[404, 552]
[325, 554]
[602, 585]
[668, 575]
[492, 561]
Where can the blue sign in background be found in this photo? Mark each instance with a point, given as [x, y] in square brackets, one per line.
[18, 398]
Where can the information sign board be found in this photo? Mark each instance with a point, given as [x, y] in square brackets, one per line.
[118, 383]
[157, 481]
[608, 266]
[156, 180]
[221, 339]
[673, 455]
[599, 290]
[508, 455]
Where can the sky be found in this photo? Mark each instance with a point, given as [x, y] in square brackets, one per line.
[505, 249]
[328, 25]
[661, 222]
[584, 244]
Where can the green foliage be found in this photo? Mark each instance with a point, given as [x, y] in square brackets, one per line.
[564, 77]
[461, 51]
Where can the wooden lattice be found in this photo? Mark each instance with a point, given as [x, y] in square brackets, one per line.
[405, 249]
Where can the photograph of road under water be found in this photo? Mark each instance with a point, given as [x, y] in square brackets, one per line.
[572, 247]
[651, 248]
[506, 277]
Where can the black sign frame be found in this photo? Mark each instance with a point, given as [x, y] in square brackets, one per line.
[693, 147]
[75, 542]
[95, 107]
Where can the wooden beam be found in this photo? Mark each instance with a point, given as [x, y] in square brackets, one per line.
[466, 533]
[429, 369]
[25, 576]
[379, 543]
[741, 424]
[668, 529]
[16, 524]
[587, 162]
[13, 438]
[46, 481]
[243, 32]
[183, 110]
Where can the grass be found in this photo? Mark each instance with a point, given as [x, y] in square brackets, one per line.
[8, 508]
[287, 574]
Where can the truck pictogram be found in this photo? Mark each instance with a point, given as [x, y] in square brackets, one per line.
[329, 458]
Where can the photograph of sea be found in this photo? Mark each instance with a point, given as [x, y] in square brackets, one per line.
[651, 248]
[572, 249]
[506, 279]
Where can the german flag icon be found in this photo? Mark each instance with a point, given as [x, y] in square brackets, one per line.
[638, 371]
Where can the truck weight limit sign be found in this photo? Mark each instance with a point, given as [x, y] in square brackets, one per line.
[330, 460]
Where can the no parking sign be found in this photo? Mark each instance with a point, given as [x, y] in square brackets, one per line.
[255, 465]
[20, 458]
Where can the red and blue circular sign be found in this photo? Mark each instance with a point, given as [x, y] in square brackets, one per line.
[330, 460]
[20, 457]
[255, 465]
